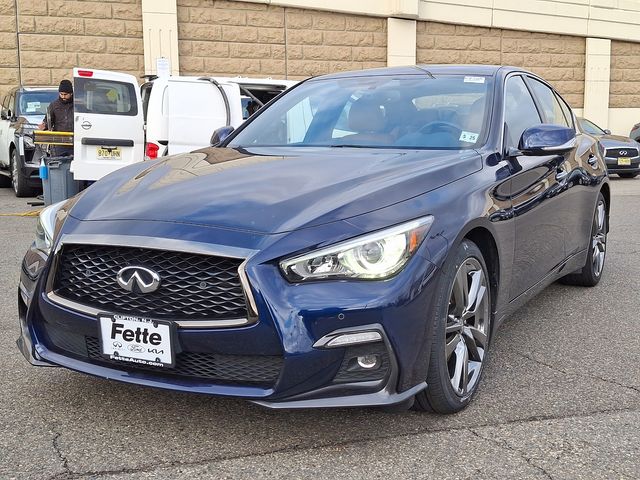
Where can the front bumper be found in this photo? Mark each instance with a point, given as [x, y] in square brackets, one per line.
[613, 167]
[292, 320]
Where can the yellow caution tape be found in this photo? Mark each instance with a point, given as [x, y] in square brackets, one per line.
[31, 213]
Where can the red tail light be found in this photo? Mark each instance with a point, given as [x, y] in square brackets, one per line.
[151, 151]
[85, 73]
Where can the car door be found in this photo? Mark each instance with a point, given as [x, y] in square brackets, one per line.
[5, 129]
[539, 229]
[578, 197]
[197, 107]
[108, 123]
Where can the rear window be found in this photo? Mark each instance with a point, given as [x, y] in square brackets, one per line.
[107, 97]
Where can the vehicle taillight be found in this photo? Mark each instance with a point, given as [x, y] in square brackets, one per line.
[151, 151]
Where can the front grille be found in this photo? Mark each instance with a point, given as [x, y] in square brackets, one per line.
[236, 369]
[260, 370]
[621, 152]
[192, 286]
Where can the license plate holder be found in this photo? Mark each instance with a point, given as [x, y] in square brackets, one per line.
[624, 161]
[109, 153]
[137, 340]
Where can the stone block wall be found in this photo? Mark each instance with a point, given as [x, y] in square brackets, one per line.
[559, 59]
[57, 35]
[237, 38]
[625, 74]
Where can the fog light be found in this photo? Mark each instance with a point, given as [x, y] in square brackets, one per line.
[368, 362]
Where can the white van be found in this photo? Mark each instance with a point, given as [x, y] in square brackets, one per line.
[118, 123]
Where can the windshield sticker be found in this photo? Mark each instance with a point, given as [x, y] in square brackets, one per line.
[473, 79]
[469, 137]
[32, 106]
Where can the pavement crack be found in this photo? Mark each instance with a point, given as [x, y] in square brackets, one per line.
[504, 445]
[579, 374]
[63, 458]
[308, 448]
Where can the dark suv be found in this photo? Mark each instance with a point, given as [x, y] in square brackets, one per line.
[23, 108]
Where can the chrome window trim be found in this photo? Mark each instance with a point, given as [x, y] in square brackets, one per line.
[158, 243]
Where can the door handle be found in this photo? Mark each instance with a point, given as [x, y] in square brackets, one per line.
[561, 175]
[592, 160]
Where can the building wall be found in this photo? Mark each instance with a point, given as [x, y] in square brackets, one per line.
[560, 59]
[57, 35]
[624, 91]
[234, 38]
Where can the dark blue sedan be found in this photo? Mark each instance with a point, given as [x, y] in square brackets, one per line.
[356, 242]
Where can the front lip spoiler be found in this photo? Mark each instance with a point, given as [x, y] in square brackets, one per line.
[384, 397]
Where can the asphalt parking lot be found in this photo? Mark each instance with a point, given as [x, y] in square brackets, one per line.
[560, 399]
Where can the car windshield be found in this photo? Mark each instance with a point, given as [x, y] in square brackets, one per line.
[35, 103]
[382, 111]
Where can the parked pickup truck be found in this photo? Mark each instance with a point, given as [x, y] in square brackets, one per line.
[118, 123]
[23, 108]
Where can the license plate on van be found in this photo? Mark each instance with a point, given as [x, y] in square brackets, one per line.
[109, 153]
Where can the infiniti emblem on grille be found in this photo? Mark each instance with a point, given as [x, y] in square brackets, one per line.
[623, 152]
[138, 279]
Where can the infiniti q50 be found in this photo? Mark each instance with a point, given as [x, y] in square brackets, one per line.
[357, 242]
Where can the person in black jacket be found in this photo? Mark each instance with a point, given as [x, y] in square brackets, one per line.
[59, 117]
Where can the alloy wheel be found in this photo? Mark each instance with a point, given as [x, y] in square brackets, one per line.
[599, 241]
[467, 329]
[14, 176]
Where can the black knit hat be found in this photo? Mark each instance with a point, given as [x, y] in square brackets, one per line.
[65, 87]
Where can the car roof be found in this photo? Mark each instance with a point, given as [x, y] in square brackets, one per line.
[484, 70]
[36, 89]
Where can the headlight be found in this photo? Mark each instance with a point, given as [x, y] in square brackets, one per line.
[46, 225]
[375, 256]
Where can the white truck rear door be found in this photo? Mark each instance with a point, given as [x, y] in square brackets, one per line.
[196, 108]
[108, 123]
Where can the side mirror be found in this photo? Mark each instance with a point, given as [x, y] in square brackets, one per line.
[607, 131]
[220, 134]
[547, 140]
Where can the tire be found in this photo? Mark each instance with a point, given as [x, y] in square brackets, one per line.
[18, 180]
[627, 175]
[461, 332]
[591, 273]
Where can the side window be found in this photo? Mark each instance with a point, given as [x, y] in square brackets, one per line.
[520, 112]
[566, 110]
[12, 103]
[549, 103]
[108, 97]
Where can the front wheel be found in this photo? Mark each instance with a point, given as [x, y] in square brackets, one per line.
[590, 274]
[461, 332]
[18, 180]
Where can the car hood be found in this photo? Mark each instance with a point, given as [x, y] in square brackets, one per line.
[617, 141]
[270, 190]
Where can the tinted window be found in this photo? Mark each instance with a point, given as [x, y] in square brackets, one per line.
[591, 127]
[550, 106]
[35, 103]
[566, 110]
[412, 111]
[520, 112]
[105, 97]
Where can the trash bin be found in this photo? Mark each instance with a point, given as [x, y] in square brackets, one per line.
[59, 183]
